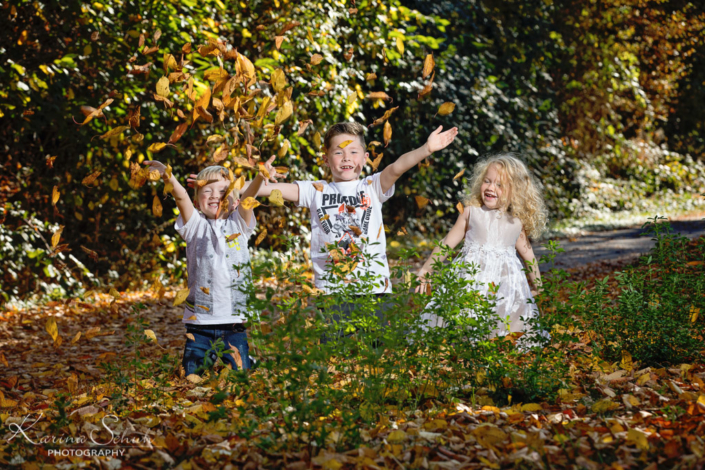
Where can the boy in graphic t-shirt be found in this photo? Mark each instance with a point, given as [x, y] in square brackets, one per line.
[346, 213]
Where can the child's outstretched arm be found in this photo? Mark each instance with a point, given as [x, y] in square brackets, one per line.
[524, 249]
[436, 141]
[183, 201]
[456, 234]
[253, 188]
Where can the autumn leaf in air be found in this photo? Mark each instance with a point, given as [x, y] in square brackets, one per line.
[249, 203]
[446, 108]
[460, 173]
[276, 198]
[421, 201]
[387, 133]
[428, 66]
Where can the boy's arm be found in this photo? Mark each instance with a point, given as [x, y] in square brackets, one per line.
[290, 191]
[456, 234]
[250, 191]
[183, 200]
[254, 188]
[524, 249]
[436, 141]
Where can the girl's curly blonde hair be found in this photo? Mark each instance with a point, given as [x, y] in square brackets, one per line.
[521, 196]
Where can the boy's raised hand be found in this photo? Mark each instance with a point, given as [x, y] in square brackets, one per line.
[439, 140]
[155, 165]
[271, 171]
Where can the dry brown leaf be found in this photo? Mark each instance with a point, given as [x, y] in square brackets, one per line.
[421, 201]
[55, 194]
[278, 40]
[156, 207]
[387, 115]
[460, 173]
[387, 133]
[460, 207]
[261, 237]
[378, 95]
[56, 236]
[427, 88]
[318, 186]
[316, 59]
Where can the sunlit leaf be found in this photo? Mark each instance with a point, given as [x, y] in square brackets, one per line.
[163, 87]
[249, 203]
[400, 45]
[278, 80]
[284, 113]
[316, 59]
[318, 186]
[181, 296]
[156, 147]
[178, 132]
[345, 143]
[427, 88]
[421, 201]
[387, 115]
[150, 334]
[278, 41]
[459, 174]
[352, 97]
[446, 108]
[387, 133]
[114, 131]
[261, 237]
[55, 194]
[428, 66]
[156, 207]
[460, 207]
[378, 95]
[88, 180]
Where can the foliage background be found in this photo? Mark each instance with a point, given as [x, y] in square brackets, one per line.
[601, 98]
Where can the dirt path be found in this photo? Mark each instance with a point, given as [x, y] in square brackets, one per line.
[613, 246]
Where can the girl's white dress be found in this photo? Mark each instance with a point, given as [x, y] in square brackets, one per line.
[490, 242]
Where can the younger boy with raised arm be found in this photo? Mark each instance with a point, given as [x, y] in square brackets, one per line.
[349, 209]
[218, 262]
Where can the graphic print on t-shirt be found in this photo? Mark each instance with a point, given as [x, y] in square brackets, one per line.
[338, 215]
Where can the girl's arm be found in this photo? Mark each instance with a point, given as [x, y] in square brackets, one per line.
[456, 234]
[524, 249]
[183, 200]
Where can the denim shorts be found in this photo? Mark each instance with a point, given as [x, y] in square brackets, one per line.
[201, 347]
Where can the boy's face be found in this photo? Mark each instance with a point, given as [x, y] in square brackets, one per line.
[345, 163]
[210, 195]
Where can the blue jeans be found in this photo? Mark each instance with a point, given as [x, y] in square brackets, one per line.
[203, 347]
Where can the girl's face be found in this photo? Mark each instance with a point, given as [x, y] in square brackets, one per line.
[492, 189]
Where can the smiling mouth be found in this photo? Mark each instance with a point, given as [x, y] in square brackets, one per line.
[346, 167]
[490, 196]
[213, 205]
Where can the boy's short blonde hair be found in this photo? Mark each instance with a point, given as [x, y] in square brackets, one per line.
[352, 128]
[214, 172]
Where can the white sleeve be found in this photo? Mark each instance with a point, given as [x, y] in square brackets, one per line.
[189, 230]
[306, 192]
[242, 227]
[377, 188]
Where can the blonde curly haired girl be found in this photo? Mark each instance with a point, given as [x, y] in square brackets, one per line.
[504, 209]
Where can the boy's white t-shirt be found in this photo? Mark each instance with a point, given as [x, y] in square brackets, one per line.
[331, 221]
[216, 267]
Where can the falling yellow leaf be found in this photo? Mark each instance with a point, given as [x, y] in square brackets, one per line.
[260, 237]
[387, 133]
[156, 207]
[325, 217]
[375, 163]
[400, 45]
[370, 76]
[284, 148]
[352, 97]
[181, 296]
[460, 207]
[239, 183]
[427, 88]
[156, 147]
[317, 140]
[55, 194]
[114, 131]
[76, 338]
[190, 336]
[446, 108]
[316, 59]
[163, 87]
[460, 173]
[345, 144]
[278, 40]
[378, 95]
[56, 236]
[249, 203]
[52, 328]
[284, 113]
[206, 290]
[276, 198]
[88, 180]
[694, 313]
[379, 232]
[428, 65]
[232, 237]
[318, 186]
[421, 201]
